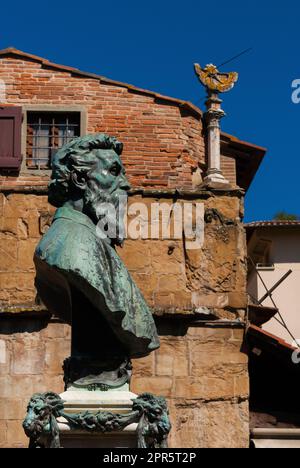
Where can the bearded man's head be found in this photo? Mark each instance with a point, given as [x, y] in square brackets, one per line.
[89, 168]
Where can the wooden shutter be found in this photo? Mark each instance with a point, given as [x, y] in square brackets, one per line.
[10, 137]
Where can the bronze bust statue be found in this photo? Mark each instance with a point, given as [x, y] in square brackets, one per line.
[79, 275]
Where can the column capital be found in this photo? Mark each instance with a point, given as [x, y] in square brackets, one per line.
[214, 115]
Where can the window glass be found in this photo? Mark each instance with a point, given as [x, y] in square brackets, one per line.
[46, 133]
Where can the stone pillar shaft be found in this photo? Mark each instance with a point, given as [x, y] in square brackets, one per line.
[213, 116]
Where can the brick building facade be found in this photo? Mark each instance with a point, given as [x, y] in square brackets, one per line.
[198, 297]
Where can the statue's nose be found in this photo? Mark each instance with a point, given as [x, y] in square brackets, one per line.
[125, 185]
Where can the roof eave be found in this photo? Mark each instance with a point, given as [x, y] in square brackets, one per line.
[248, 158]
[11, 51]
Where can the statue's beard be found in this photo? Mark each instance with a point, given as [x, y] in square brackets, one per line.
[97, 205]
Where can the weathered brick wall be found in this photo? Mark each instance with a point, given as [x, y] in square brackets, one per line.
[160, 137]
[228, 165]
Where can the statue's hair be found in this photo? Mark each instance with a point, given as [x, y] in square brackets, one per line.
[76, 156]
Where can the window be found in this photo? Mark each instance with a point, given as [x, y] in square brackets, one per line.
[46, 133]
[265, 267]
[10, 137]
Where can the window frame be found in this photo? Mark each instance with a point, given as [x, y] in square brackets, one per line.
[47, 108]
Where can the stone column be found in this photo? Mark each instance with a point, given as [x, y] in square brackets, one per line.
[215, 82]
[213, 116]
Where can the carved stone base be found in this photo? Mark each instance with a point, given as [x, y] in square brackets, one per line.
[83, 418]
[80, 439]
[115, 401]
[215, 179]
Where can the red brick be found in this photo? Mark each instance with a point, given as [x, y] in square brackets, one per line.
[146, 125]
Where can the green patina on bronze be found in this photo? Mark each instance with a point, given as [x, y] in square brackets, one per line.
[80, 276]
[150, 412]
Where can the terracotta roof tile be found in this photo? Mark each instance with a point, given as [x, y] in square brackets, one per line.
[275, 223]
[272, 338]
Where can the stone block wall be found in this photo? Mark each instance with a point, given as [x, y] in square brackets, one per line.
[23, 219]
[171, 276]
[200, 369]
[31, 354]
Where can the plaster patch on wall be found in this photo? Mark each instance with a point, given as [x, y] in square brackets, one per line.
[2, 91]
[2, 352]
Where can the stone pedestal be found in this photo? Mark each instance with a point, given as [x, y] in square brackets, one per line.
[83, 418]
[80, 401]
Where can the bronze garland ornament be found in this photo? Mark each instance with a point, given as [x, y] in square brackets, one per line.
[149, 411]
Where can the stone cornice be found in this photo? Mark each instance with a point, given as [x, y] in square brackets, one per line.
[149, 193]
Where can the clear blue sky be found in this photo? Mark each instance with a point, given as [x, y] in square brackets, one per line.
[153, 44]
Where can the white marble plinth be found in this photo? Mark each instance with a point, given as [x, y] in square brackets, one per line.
[216, 177]
[114, 401]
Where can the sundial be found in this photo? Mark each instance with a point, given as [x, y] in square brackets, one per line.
[214, 80]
